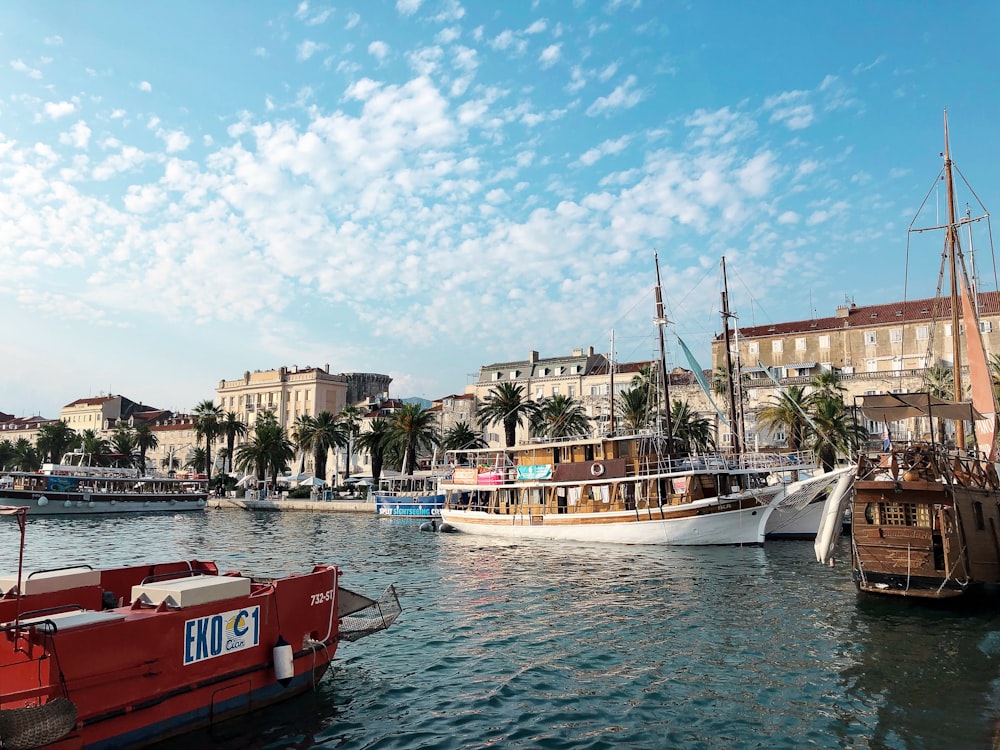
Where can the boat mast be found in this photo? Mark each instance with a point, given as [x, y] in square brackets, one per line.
[951, 242]
[661, 320]
[733, 414]
[611, 392]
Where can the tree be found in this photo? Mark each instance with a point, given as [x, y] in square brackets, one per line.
[319, 435]
[374, 442]
[690, 430]
[785, 413]
[206, 424]
[634, 408]
[95, 446]
[26, 456]
[268, 452]
[145, 440]
[559, 416]
[197, 460]
[232, 427]
[7, 454]
[506, 404]
[54, 440]
[412, 428]
[834, 429]
[123, 442]
[939, 381]
[460, 436]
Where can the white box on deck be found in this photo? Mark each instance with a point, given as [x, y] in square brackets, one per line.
[54, 580]
[190, 592]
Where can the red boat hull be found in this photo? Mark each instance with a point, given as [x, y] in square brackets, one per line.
[148, 670]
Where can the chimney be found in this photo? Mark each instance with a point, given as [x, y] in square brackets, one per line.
[532, 357]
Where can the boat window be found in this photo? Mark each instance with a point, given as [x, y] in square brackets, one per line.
[898, 514]
[977, 511]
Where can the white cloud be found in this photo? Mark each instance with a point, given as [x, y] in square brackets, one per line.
[379, 50]
[53, 41]
[55, 110]
[624, 96]
[615, 146]
[550, 55]
[353, 19]
[537, 27]
[306, 49]
[77, 136]
[145, 86]
[408, 7]
[21, 67]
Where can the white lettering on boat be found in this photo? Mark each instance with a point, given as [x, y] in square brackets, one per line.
[221, 633]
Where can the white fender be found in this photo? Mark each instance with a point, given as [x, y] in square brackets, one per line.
[833, 518]
[284, 666]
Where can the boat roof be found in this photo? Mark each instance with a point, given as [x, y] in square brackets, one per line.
[892, 407]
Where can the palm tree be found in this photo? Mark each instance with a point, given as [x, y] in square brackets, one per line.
[827, 385]
[26, 457]
[834, 430]
[460, 436]
[692, 431]
[412, 428]
[123, 442]
[232, 427]
[506, 404]
[145, 440]
[95, 446]
[374, 442]
[268, 452]
[939, 381]
[54, 439]
[634, 408]
[320, 435]
[786, 413]
[197, 460]
[7, 454]
[206, 424]
[559, 416]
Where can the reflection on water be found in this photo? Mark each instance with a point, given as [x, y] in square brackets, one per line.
[568, 645]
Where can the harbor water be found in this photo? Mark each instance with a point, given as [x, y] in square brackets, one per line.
[567, 645]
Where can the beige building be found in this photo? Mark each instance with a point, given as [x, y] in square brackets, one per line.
[873, 348]
[584, 375]
[100, 413]
[291, 392]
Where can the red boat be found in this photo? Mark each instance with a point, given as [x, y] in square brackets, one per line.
[130, 656]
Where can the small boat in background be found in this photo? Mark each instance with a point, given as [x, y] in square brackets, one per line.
[409, 496]
[129, 656]
[77, 487]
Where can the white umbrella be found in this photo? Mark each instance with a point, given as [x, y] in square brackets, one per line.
[312, 482]
[247, 481]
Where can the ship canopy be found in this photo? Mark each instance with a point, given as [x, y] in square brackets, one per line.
[892, 407]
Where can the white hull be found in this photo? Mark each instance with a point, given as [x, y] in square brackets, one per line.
[792, 523]
[728, 527]
[56, 507]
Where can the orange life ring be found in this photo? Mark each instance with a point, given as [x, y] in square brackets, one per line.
[596, 469]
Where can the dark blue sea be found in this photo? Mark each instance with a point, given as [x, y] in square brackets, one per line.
[566, 645]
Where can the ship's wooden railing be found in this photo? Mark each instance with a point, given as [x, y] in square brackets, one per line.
[921, 461]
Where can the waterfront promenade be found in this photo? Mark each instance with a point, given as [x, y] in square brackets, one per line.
[284, 504]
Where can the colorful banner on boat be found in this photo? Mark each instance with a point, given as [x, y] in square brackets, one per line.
[538, 471]
[464, 475]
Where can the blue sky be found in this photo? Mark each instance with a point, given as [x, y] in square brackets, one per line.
[191, 189]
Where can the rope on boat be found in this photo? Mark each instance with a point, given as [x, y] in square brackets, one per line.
[35, 726]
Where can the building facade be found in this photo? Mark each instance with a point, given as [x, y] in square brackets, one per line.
[584, 375]
[873, 349]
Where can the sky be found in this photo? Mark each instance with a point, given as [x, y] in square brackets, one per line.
[190, 190]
